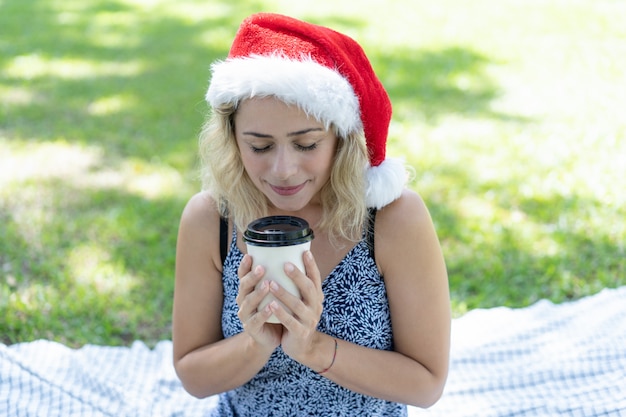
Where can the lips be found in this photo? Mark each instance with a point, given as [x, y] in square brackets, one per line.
[287, 191]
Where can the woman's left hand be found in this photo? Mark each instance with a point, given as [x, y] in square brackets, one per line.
[299, 334]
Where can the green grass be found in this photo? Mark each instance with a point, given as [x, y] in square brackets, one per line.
[510, 112]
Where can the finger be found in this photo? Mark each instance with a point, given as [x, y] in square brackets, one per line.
[249, 304]
[249, 281]
[302, 282]
[284, 296]
[300, 311]
[257, 319]
[245, 266]
[283, 316]
[310, 287]
[244, 269]
[311, 269]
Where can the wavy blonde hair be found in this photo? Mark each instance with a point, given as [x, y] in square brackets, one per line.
[343, 197]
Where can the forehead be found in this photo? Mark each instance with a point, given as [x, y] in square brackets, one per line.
[268, 111]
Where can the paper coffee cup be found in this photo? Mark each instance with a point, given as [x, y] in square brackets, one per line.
[273, 241]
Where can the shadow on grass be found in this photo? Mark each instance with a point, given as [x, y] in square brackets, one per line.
[438, 83]
[106, 74]
[136, 88]
[99, 269]
[99, 266]
[130, 82]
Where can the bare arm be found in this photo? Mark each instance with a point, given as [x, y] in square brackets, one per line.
[410, 258]
[205, 362]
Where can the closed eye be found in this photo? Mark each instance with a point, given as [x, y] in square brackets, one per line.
[306, 148]
[263, 149]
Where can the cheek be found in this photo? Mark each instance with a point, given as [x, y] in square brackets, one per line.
[256, 168]
[325, 164]
[250, 163]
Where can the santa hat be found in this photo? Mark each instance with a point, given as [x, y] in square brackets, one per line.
[323, 72]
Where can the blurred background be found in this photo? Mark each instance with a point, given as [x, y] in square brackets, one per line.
[510, 111]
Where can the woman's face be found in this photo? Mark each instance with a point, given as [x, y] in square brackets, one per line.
[287, 154]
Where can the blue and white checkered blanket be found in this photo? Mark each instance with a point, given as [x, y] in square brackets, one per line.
[544, 360]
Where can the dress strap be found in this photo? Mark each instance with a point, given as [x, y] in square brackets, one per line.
[223, 238]
[369, 231]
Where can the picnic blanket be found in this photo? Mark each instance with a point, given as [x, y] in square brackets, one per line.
[543, 360]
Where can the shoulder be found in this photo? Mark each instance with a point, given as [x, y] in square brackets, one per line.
[201, 205]
[199, 226]
[407, 211]
[201, 213]
[404, 228]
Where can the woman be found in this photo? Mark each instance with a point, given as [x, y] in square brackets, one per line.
[298, 127]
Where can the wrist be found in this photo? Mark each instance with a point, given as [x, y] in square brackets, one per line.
[254, 348]
[332, 362]
[325, 354]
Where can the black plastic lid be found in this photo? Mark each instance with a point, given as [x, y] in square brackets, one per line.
[278, 231]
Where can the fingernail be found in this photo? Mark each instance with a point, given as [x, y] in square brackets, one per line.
[274, 285]
[289, 267]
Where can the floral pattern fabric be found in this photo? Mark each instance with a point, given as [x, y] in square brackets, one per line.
[355, 309]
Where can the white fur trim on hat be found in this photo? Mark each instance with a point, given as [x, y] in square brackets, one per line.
[385, 182]
[318, 90]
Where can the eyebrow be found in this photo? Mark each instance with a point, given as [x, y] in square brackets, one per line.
[291, 134]
[304, 131]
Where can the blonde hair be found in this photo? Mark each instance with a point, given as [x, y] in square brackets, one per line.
[343, 198]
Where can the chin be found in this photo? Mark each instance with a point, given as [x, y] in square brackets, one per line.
[288, 208]
[290, 204]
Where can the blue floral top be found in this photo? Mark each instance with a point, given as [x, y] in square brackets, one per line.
[356, 309]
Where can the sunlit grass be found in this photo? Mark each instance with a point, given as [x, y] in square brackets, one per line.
[36, 66]
[93, 267]
[511, 115]
[112, 104]
[31, 161]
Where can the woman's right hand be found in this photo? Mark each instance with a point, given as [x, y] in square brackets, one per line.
[267, 335]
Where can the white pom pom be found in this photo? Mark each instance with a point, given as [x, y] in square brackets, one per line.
[385, 182]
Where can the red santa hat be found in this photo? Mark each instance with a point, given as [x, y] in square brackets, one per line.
[323, 72]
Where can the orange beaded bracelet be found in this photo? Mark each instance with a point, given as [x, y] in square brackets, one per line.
[333, 361]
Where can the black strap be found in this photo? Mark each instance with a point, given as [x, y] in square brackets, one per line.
[369, 231]
[223, 238]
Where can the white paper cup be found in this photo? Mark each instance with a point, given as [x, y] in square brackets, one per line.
[272, 242]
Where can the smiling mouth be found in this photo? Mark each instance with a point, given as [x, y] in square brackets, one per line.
[287, 191]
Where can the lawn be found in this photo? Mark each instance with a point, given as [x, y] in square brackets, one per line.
[510, 113]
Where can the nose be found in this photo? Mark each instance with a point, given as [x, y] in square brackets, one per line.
[285, 163]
